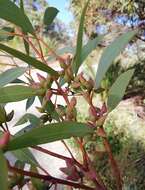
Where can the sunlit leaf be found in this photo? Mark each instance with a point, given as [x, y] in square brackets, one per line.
[10, 75]
[30, 60]
[117, 90]
[89, 47]
[110, 53]
[78, 56]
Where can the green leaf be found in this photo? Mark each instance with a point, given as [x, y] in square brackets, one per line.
[19, 164]
[10, 116]
[110, 53]
[49, 133]
[50, 108]
[3, 116]
[49, 15]
[4, 34]
[18, 81]
[30, 102]
[17, 93]
[22, 5]
[10, 12]
[11, 75]
[89, 47]
[14, 180]
[26, 156]
[62, 51]
[117, 90]
[37, 183]
[3, 172]
[35, 121]
[30, 60]
[26, 44]
[78, 55]
[66, 49]
[25, 129]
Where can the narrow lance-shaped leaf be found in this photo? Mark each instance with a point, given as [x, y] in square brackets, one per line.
[11, 75]
[110, 53]
[18, 81]
[117, 90]
[61, 51]
[30, 102]
[49, 133]
[22, 5]
[5, 34]
[26, 129]
[49, 15]
[26, 156]
[30, 60]
[34, 120]
[17, 93]
[77, 59]
[10, 12]
[26, 44]
[89, 47]
[3, 172]
[3, 116]
[37, 183]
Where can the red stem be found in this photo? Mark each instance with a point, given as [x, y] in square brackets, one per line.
[68, 149]
[50, 153]
[57, 155]
[62, 93]
[84, 154]
[50, 178]
[115, 168]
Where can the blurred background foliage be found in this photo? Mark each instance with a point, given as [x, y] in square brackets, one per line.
[111, 18]
[125, 12]
[55, 35]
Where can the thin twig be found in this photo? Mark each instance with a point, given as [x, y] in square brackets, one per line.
[49, 178]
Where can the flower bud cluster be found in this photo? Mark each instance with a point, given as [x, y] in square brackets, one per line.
[67, 71]
[71, 112]
[81, 82]
[97, 114]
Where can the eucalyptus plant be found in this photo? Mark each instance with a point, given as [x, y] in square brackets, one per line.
[56, 122]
